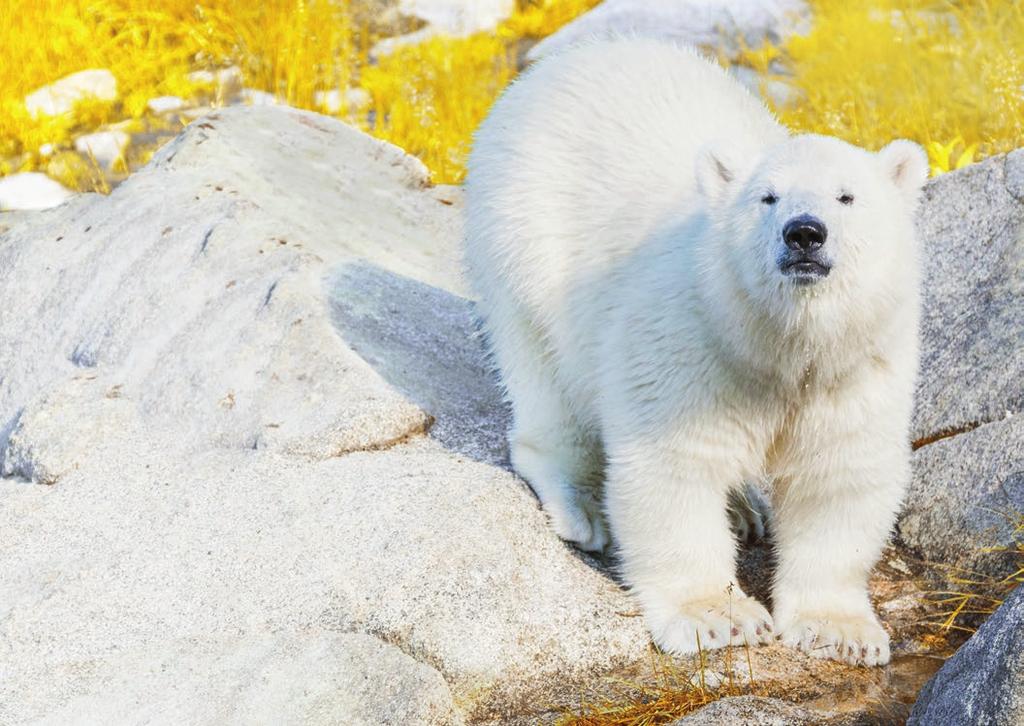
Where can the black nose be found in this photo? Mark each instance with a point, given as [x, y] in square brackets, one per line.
[804, 233]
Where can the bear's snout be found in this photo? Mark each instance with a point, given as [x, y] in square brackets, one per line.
[804, 233]
[804, 259]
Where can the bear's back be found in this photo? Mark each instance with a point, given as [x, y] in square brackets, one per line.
[587, 153]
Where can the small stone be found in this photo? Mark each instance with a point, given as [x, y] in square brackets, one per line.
[31, 191]
[197, 112]
[358, 98]
[202, 77]
[255, 97]
[165, 104]
[330, 101]
[230, 77]
[755, 711]
[61, 96]
[458, 17]
[106, 147]
[707, 679]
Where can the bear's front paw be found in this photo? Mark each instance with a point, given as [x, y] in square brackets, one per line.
[853, 639]
[713, 623]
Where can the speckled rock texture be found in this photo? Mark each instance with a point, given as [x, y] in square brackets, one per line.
[966, 498]
[983, 684]
[250, 454]
[759, 711]
[968, 424]
[972, 367]
[327, 678]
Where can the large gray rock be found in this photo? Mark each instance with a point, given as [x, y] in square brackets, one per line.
[972, 367]
[248, 443]
[968, 479]
[983, 684]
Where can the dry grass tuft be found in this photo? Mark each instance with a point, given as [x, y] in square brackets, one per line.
[972, 596]
[672, 693]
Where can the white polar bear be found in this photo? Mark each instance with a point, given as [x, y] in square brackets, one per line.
[682, 297]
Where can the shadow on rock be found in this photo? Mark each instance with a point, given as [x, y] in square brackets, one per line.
[425, 343]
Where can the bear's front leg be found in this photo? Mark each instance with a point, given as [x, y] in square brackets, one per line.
[835, 504]
[666, 501]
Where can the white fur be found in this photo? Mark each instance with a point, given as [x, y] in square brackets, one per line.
[626, 272]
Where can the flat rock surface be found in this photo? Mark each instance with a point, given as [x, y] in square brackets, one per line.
[338, 678]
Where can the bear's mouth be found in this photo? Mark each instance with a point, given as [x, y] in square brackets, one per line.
[804, 270]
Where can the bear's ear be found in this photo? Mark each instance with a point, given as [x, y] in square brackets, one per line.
[906, 165]
[716, 170]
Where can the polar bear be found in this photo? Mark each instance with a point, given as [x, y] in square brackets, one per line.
[682, 298]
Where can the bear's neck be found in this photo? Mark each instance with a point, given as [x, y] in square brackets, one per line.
[813, 342]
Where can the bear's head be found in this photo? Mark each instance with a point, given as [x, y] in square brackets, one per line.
[813, 218]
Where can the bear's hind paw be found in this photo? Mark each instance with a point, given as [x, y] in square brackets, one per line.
[748, 513]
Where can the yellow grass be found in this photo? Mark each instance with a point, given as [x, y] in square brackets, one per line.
[151, 46]
[540, 18]
[429, 98]
[945, 73]
[426, 98]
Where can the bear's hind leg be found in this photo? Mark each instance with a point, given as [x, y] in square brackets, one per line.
[748, 513]
[559, 459]
[558, 465]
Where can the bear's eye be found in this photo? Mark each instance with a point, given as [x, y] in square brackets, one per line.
[845, 198]
[769, 199]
